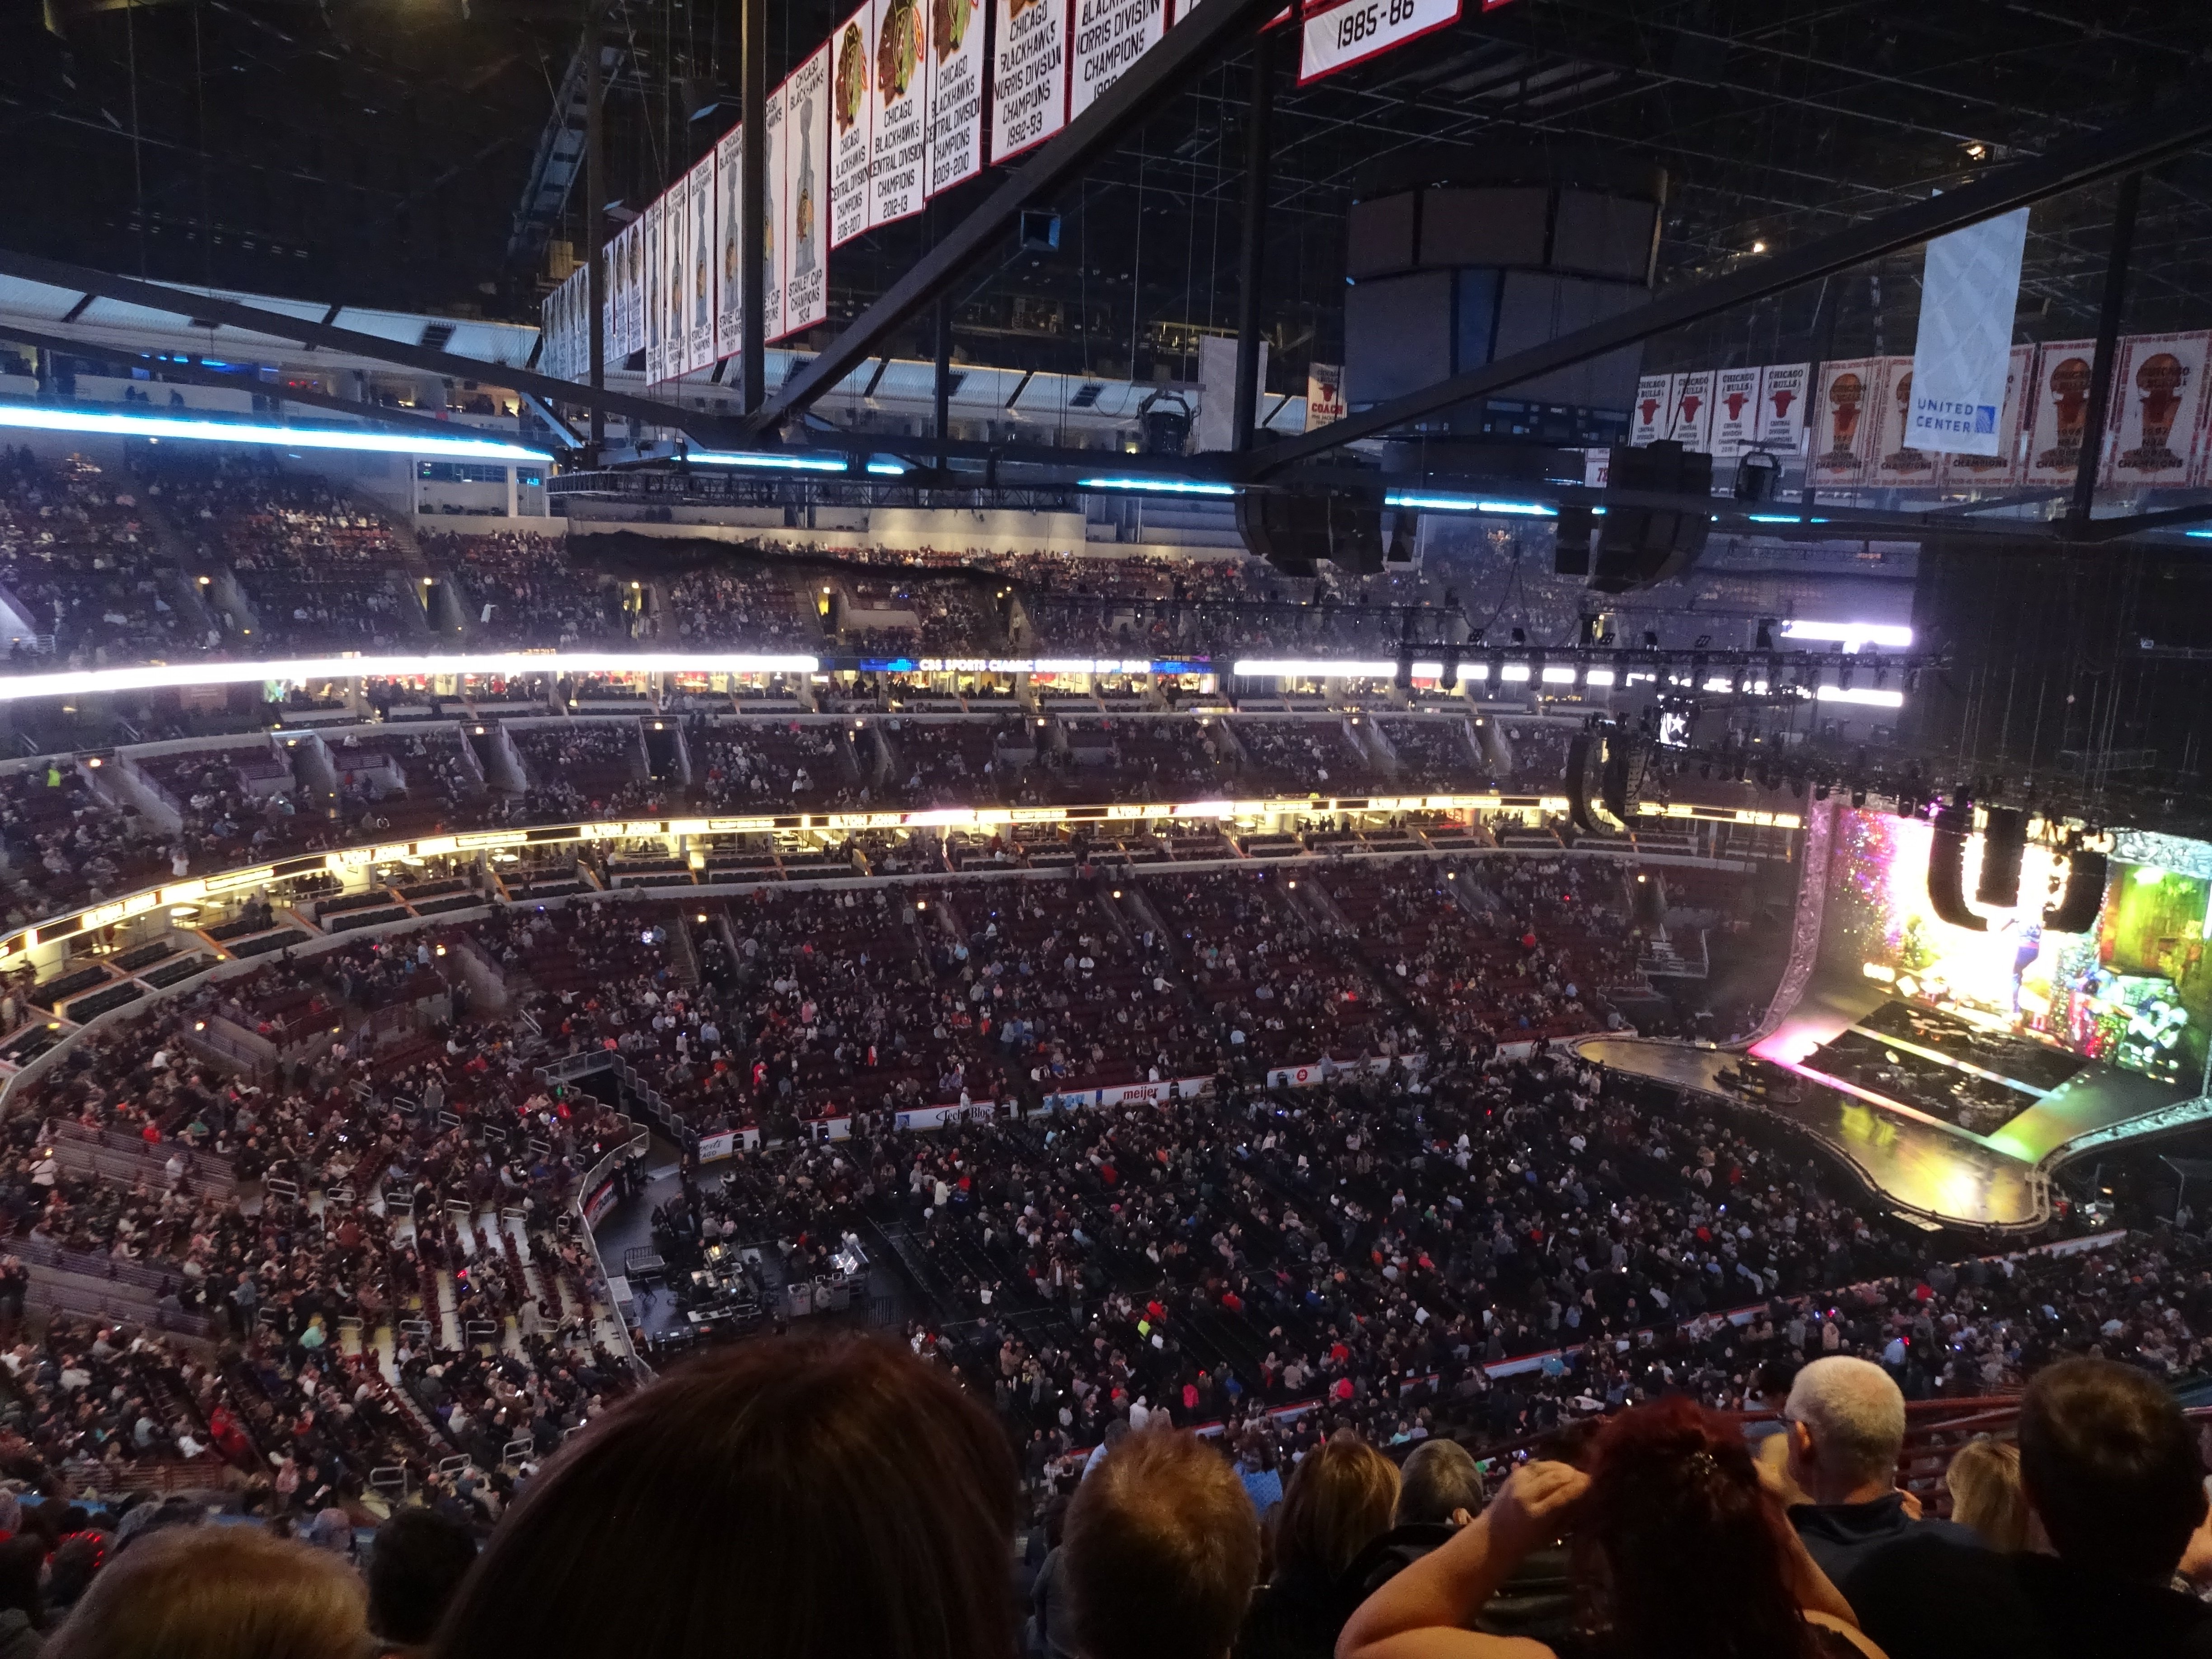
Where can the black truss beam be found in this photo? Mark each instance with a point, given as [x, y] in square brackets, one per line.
[713, 430]
[2124, 149]
[1183, 51]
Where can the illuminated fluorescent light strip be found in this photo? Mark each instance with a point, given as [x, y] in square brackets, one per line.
[1158, 486]
[29, 418]
[1475, 504]
[1307, 668]
[1861, 694]
[13, 687]
[770, 463]
[1849, 634]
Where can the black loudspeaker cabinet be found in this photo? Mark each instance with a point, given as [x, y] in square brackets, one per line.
[1295, 529]
[1637, 546]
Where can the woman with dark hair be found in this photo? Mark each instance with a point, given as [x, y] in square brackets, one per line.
[804, 1500]
[1681, 1552]
[1339, 1502]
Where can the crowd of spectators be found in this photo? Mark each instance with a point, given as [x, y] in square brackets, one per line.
[726, 607]
[320, 569]
[587, 767]
[520, 589]
[788, 766]
[66, 847]
[79, 558]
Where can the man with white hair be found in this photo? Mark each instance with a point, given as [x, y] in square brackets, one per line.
[1846, 1422]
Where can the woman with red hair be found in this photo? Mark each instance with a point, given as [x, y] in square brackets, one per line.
[1680, 1553]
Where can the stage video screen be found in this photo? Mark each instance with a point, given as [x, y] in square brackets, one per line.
[2133, 992]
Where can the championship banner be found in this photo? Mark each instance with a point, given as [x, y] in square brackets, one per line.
[1690, 423]
[851, 125]
[1968, 293]
[898, 110]
[1846, 414]
[1324, 394]
[2156, 402]
[958, 64]
[1110, 36]
[1990, 471]
[772, 215]
[656, 277]
[1897, 463]
[1782, 389]
[621, 258]
[1735, 411]
[730, 298]
[1653, 411]
[2057, 409]
[1337, 37]
[806, 174]
[676, 282]
[699, 215]
[1028, 74]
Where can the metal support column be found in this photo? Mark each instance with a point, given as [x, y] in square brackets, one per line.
[595, 216]
[752, 203]
[1251, 255]
[2129, 198]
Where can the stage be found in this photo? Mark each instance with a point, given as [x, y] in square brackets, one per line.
[1955, 1068]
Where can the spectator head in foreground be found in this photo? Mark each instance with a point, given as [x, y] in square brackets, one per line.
[420, 1559]
[1683, 1553]
[809, 1498]
[2110, 1469]
[216, 1593]
[1340, 1500]
[1162, 1547]
[1440, 1486]
[1845, 1419]
[1984, 1481]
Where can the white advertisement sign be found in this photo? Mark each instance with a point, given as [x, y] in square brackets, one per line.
[1967, 297]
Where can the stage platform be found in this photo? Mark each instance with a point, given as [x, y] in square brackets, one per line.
[1948, 1117]
[1915, 1165]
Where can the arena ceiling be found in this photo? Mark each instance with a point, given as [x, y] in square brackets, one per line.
[376, 152]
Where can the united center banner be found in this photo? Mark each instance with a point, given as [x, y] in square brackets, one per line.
[1028, 74]
[898, 104]
[2003, 468]
[1968, 294]
[851, 125]
[957, 65]
[806, 177]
